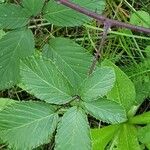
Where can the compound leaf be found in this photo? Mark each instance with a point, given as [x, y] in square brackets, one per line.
[73, 131]
[33, 7]
[12, 16]
[71, 58]
[14, 46]
[123, 90]
[43, 79]
[97, 84]
[60, 15]
[26, 125]
[106, 110]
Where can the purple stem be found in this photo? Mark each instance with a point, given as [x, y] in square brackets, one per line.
[101, 18]
[97, 55]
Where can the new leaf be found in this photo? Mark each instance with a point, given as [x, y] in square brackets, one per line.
[127, 138]
[101, 137]
[144, 134]
[141, 119]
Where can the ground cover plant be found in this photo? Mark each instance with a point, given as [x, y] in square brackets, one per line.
[69, 82]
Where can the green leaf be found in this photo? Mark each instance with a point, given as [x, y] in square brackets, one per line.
[140, 18]
[106, 110]
[101, 137]
[127, 138]
[141, 119]
[73, 131]
[71, 58]
[142, 87]
[60, 15]
[14, 46]
[123, 91]
[4, 102]
[26, 125]
[12, 16]
[97, 84]
[43, 79]
[144, 134]
[33, 7]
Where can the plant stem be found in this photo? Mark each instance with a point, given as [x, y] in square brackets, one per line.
[117, 32]
[101, 18]
[39, 25]
[96, 58]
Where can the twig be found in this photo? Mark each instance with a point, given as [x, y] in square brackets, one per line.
[97, 55]
[39, 25]
[101, 18]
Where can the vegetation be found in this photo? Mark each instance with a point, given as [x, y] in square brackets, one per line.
[72, 79]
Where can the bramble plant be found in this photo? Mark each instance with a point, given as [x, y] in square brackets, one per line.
[68, 82]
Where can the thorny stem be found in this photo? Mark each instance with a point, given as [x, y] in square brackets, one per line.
[103, 19]
[98, 55]
[107, 24]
